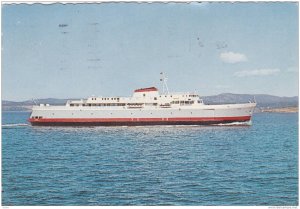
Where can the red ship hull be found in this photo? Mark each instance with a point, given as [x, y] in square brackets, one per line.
[135, 121]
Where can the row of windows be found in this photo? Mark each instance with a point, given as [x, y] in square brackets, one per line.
[123, 104]
[107, 98]
[182, 95]
[182, 102]
[135, 104]
[155, 98]
[99, 104]
[112, 104]
[150, 104]
[36, 117]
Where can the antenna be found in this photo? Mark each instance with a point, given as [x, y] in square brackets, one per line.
[164, 79]
[34, 101]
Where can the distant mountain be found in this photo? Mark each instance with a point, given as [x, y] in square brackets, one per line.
[26, 105]
[51, 101]
[263, 101]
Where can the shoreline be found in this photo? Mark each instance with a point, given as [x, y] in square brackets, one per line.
[281, 110]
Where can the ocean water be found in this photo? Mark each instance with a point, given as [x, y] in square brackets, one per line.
[159, 165]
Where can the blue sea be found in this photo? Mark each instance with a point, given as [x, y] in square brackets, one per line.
[158, 165]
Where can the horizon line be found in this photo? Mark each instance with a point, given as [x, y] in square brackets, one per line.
[2, 99]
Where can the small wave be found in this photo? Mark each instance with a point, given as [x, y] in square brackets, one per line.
[247, 123]
[15, 125]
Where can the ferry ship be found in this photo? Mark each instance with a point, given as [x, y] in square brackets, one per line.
[146, 107]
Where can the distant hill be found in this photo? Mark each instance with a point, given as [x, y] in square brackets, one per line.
[26, 105]
[52, 101]
[264, 101]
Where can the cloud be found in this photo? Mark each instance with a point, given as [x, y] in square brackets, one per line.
[231, 57]
[259, 72]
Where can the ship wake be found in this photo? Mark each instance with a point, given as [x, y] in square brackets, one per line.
[13, 125]
[246, 123]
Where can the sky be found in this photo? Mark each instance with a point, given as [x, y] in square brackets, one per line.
[110, 49]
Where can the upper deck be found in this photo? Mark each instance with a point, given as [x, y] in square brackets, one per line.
[141, 98]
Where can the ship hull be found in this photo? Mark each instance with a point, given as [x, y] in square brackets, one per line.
[204, 115]
[140, 121]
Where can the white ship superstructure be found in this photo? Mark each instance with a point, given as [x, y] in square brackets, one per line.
[146, 107]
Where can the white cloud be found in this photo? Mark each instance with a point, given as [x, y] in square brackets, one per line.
[259, 72]
[231, 57]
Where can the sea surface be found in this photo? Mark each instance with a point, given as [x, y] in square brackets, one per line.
[158, 165]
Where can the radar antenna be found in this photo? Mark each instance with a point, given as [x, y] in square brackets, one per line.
[164, 79]
[34, 101]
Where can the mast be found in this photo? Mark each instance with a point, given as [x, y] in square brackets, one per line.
[164, 79]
